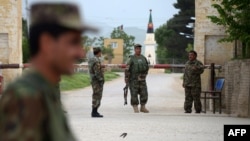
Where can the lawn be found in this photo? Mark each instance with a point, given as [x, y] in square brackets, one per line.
[81, 80]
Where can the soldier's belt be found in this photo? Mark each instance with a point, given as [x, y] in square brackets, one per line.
[141, 77]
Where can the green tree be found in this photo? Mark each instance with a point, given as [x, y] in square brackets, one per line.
[108, 53]
[24, 28]
[100, 42]
[234, 16]
[25, 44]
[127, 39]
[88, 43]
[162, 54]
[168, 35]
[26, 52]
[162, 34]
[189, 47]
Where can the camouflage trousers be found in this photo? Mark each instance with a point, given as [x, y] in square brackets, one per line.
[138, 88]
[192, 94]
[97, 88]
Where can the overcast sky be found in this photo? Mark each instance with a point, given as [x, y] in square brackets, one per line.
[130, 13]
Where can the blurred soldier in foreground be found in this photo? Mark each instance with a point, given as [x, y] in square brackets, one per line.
[192, 83]
[97, 81]
[30, 109]
[135, 76]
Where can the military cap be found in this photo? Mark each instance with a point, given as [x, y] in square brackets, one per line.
[62, 14]
[137, 45]
[96, 50]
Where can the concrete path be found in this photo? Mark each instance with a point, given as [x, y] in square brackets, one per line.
[165, 122]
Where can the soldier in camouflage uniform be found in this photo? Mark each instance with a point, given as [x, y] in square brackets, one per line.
[135, 77]
[192, 83]
[30, 109]
[58, 93]
[97, 81]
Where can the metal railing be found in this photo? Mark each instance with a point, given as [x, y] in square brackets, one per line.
[156, 66]
[212, 68]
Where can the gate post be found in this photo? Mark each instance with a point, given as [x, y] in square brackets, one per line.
[1, 80]
[212, 78]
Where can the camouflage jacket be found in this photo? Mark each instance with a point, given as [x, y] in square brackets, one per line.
[136, 66]
[193, 70]
[30, 110]
[95, 69]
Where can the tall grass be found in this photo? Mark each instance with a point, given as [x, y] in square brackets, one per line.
[81, 80]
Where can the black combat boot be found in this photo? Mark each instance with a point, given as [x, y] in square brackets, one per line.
[188, 111]
[95, 113]
[198, 112]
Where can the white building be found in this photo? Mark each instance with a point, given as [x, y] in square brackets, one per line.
[150, 44]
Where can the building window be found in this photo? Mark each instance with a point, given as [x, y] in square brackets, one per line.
[114, 44]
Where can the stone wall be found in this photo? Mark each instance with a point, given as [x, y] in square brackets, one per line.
[10, 36]
[237, 88]
[206, 39]
[207, 35]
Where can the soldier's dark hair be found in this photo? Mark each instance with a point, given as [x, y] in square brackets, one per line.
[37, 30]
[96, 50]
[194, 52]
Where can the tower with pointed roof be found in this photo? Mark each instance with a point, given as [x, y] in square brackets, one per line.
[149, 43]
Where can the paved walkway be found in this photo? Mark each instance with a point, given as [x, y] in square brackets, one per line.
[165, 122]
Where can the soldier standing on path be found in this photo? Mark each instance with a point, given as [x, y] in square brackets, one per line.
[135, 77]
[192, 83]
[97, 81]
[30, 109]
